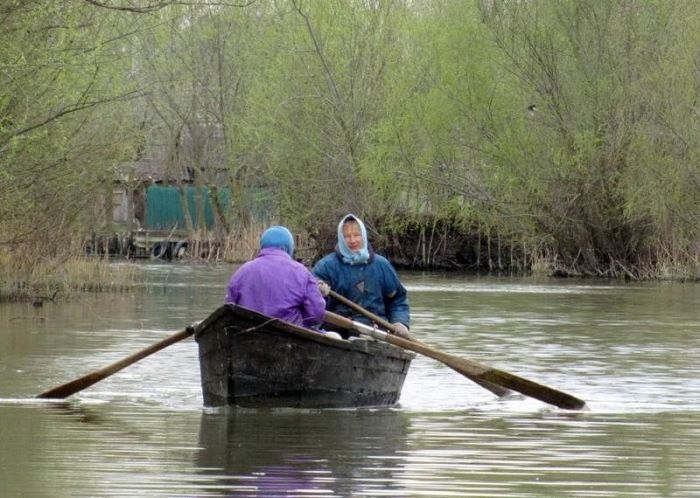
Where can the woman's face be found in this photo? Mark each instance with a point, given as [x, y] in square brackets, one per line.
[352, 236]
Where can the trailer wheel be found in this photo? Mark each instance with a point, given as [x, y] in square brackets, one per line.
[159, 250]
[180, 249]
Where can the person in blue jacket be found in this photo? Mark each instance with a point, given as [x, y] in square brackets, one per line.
[357, 273]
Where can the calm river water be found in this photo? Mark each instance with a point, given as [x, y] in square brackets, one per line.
[629, 350]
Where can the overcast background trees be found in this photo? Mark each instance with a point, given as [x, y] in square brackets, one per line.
[559, 131]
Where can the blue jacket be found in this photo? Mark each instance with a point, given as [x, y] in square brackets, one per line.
[373, 285]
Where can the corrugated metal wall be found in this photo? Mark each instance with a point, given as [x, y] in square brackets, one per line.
[165, 211]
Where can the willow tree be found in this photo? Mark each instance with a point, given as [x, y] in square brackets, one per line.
[609, 150]
[324, 91]
[198, 63]
[448, 99]
[63, 80]
[534, 120]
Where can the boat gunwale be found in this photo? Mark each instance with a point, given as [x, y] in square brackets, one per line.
[361, 345]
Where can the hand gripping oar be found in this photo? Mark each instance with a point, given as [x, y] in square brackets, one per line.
[466, 367]
[72, 387]
[495, 389]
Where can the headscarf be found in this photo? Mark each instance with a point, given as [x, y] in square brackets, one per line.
[349, 257]
[278, 237]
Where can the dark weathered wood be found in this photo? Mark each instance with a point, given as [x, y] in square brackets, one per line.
[495, 389]
[467, 367]
[250, 360]
[72, 387]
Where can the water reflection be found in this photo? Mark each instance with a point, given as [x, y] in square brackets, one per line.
[110, 449]
[302, 453]
[631, 351]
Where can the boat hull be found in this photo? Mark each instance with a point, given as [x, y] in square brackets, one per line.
[250, 360]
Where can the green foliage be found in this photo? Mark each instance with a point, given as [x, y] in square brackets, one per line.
[568, 126]
[61, 108]
[587, 69]
[324, 91]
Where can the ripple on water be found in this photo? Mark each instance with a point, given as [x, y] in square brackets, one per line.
[629, 351]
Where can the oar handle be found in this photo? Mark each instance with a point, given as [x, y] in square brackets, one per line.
[346, 323]
[353, 305]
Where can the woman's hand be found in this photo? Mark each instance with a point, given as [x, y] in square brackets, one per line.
[324, 288]
[400, 330]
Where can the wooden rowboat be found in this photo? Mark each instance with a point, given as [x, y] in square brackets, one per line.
[251, 360]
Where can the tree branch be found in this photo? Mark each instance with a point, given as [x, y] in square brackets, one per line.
[63, 112]
[158, 5]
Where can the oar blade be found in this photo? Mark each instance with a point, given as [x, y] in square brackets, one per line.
[499, 391]
[469, 368]
[492, 375]
[535, 390]
[73, 386]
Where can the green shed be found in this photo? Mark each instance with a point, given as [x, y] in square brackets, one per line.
[164, 209]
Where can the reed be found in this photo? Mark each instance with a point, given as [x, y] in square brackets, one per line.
[26, 277]
[241, 245]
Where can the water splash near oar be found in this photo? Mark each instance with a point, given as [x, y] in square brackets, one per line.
[467, 367]
[72, 387]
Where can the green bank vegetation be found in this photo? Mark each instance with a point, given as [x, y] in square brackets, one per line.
[41, 280]
[560, 135]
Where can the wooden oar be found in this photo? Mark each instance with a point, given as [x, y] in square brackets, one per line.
[466, 367]
[72, 387]
[495, 389]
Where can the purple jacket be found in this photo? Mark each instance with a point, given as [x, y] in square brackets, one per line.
[276, 285]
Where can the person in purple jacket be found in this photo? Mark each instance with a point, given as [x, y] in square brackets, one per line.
[274, 284]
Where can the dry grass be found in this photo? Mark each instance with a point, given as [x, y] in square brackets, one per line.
[27, 274]
[235, 248]
[245, 244]
[665, 265]
[25, 278]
